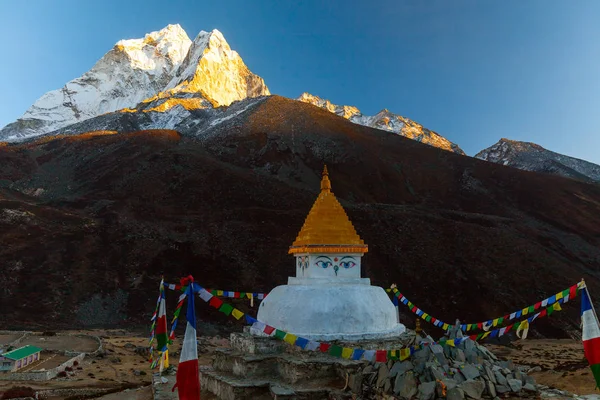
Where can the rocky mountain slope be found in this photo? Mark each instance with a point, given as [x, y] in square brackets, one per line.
[167, 76]
[386, 121]
[164, 66]
[532, 157]
[90, 222]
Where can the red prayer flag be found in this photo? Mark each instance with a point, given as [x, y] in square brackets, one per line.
[543, 313]
[215, 302]
[324, 347]
[268, 329]
[537, 305]
[572, 292]
[473, 337]
[381, 356]
[480, 326]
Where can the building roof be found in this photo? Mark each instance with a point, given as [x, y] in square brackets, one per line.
[327, 228]
[22, 352]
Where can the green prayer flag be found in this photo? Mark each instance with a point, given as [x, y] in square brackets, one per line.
[566, 293]
[335, 350]
[226, 309]
[428, 318]
[280, 334]
[479, 336]
[500, 320]
[550, 310]
[176, 313]
[242, 295]
[531, 309]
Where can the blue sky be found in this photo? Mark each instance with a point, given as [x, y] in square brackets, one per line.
[474, 71]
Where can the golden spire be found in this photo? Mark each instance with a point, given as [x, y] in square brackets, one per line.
[327, 228]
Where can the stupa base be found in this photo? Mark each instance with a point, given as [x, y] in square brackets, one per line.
[331, 311]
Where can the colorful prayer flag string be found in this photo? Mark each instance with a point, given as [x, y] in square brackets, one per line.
[559, 298]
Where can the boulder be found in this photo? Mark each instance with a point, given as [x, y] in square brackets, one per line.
[469, 371]
[473, 389]
[405, 386]
[515, 385]
[436, 373]
[427, 391]
[489, 374]
[529, 387]
[455, 394]
[382, 374]
[502, 389]
[500, 379]
[490, 388]
[400, 367]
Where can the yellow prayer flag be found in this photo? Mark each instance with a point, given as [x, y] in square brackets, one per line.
[424, 316]
[404, 354]
[556, 307]
[485, 335]
[495, 322]
[445, 327]
[451, 343]
[289, 338]
[249, 295]
[237, 314]
[525, 311]
[347, 352]
[219, 293]
[559, 295]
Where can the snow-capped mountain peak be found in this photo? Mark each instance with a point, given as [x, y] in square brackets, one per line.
[533, 157]
[385, 120]
[162, 65]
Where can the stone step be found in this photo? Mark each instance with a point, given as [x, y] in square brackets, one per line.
[251, 344]
[227, 386]
[288, 367]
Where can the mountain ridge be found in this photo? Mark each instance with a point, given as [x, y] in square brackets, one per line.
[530, 156]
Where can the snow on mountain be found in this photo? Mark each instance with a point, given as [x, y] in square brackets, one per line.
[164, 70]
[130, 72]
[533, 157]
[386, 121]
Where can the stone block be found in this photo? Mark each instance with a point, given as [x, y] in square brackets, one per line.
[382, 374]
[473, 389]
[405, 386]
[469, 371]
[400, 367]
[427, 391]
[490, 389]
[501, 389]
[529, 387]
[455, 394]
[500, 379]
[515, 385]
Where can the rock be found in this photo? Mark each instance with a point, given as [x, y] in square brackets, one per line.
[447, 383]
[469, 371]
[535, 369]
[473, 389]
[490, 388]
[390, 363]
[502, 389]
[506, 371]
[130, 346]
[115, 360]
[405, 386]
[528, 379]
[455, 394]
[500, 379]
[460, 355]
[355, 383]
[489, 374]
[387, 386]
[518, 375]
[400, 367]
[529, 387]
[436, 373]
[368, 369]
[515, 385]
[383, 373]
[427, 391]
[137, 372]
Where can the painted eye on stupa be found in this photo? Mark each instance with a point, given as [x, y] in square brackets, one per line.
[347, 262]
[323, 262]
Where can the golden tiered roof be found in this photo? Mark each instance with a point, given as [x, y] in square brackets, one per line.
[327, 228]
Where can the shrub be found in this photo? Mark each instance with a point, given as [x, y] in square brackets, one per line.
[16, 392]
[62, 374]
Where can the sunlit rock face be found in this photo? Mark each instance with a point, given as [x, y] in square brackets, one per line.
[130, 72]
[386, 121]
[533, 157]
[164, 68]
[216, 71]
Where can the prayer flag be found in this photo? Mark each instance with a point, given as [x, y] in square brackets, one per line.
[357, 354]
[590, 335]
[289, 338]
[381, 356]
[237, 314]
[301, 342]
[188, 379]
[347, 352]
[324, 347]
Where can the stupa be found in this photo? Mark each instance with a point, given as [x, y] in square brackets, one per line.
[328, 299]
